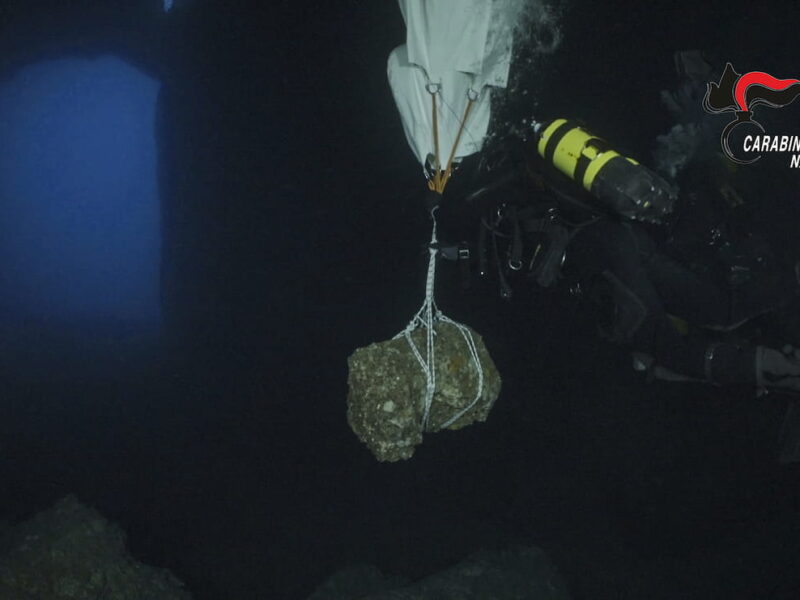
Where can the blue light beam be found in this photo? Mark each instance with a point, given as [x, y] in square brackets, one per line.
[79, 206]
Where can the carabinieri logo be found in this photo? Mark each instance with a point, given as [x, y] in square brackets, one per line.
[740, 94]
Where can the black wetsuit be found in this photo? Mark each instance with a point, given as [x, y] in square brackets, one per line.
[696, 268]
[621, 266]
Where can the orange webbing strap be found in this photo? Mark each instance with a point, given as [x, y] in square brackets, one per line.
[439, 180]
[435, 139]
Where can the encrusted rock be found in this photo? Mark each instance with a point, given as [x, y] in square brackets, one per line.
[70, 552]
[517, 573]
[359, 581]
[386, 400]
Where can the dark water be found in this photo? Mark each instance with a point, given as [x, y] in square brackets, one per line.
[293, 232]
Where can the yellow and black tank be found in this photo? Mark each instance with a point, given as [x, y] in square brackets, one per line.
[618, 183]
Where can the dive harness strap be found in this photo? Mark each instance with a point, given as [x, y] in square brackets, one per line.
[459, 254]
[544, 265]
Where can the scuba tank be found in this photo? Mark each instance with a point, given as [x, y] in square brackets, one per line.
[570, 178]
[619, 184]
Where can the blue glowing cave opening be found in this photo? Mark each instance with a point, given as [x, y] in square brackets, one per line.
[79, 205]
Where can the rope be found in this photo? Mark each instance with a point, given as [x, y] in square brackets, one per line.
[473, 352]
[428, 316]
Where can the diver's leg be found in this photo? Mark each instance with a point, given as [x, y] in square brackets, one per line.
[615, 256]
[687, 295]
[690, 297]
[610, 255]
[706, 302]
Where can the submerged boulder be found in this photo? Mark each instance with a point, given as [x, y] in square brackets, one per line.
[387, 388]
[70, 552]
[521, 573]
[359, 581]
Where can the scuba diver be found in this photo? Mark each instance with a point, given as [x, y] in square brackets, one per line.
[679, 277]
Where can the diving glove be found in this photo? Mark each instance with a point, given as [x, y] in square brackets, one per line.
[778, 368]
